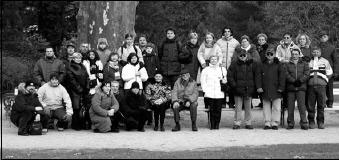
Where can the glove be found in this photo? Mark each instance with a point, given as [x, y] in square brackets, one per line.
[297, 83]
[260, 90]
[187, 104]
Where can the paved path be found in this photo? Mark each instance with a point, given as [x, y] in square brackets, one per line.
[176, 141]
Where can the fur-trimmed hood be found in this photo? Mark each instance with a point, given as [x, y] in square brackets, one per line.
[102, 40]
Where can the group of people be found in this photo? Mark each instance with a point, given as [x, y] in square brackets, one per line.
[100, 89]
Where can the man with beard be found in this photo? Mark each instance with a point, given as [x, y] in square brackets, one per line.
[46, 65]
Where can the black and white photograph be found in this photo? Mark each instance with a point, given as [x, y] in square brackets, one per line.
[169, 79]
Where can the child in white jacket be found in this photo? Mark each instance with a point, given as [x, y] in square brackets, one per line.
[133, 71]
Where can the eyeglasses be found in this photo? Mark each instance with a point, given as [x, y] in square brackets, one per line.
[242, 55]
[269, 54]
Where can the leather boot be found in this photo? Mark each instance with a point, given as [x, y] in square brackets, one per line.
[177, 127]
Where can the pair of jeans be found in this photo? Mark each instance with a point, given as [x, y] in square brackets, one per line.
[300, 97]
[239, 101]
[271, 112]
[192, 108]
[316, 94]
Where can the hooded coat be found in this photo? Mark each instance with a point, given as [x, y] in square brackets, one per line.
[252, 53]
[297, 71]
[283, 52]
[103, 54]
[129, 71]
[273, 79]
[227, 48]
[152, 63]
[168, 55]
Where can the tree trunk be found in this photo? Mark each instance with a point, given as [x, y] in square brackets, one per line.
[105, 19]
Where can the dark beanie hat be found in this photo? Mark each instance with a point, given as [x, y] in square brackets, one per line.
[29, 83]
[158, 72]
[135, 85]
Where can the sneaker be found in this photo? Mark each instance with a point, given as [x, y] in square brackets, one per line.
[44, 131]
[311, 125]
[267, 127]
[249, 127]
[321, 126]
[60, 129]
[275, 127]
[236, 127]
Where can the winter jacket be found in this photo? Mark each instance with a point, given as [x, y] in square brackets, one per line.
[128, 75]
[53, 98]
[273, 79]
[134, 103]
[210, 81]
[44, 67]
[103, 54]
[301, 72]
[284, 52]
[244, 77]
[24, 102]
[205, 53]
[262, 51]
[185, 91]
[168, 55]
[320, 71]
[227, 48]
[193, 65]
[125, 50]
[77, 78]
[329, 53]
[98, 112]
[111, 74]
[93, 71]
[152, 63]
[252, 53]
[155, 91]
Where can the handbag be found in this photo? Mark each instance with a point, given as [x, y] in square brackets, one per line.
[224, 86]
[35, 128]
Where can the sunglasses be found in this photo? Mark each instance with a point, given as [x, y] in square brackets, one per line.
[269, 54]
[242, 55]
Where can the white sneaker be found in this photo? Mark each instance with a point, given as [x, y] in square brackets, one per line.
[44, 131]
[60, 129]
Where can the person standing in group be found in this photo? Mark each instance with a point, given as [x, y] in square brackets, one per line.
[113, 69]
[127, 48]
[143, 41]
[262, 47]
[103, 111]
[273, 84]
[94, 69]
[134, 71]
[185, 97]
[249, 49]
[168, 56]
[228, 44]
[297, 74]
[320, 72]
[151, 59]
[304, 43]
[25, 109]
[56, 101]
[211, 79]
[207, 49]
[189, 55]
[102, 50]
[78, 83]
[285, 47]
[83, 49]
[244, 77]
[328, 52]
[47, 65]
[158, 93]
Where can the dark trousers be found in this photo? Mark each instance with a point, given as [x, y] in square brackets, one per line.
[77, 103]
[300, 97]
[58, 114]
[329, 92]
[316, 94]
[159, 112]
[214, 106]
[137, 119]
[231, 97]
[192, 108]
[115, 119]
[24, 119]
[170, 80]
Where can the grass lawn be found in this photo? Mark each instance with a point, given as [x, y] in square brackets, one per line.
[295, 151]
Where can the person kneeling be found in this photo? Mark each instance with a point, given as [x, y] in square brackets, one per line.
[26, 107]
[103, 112]
[185, 96]
[135, 108]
